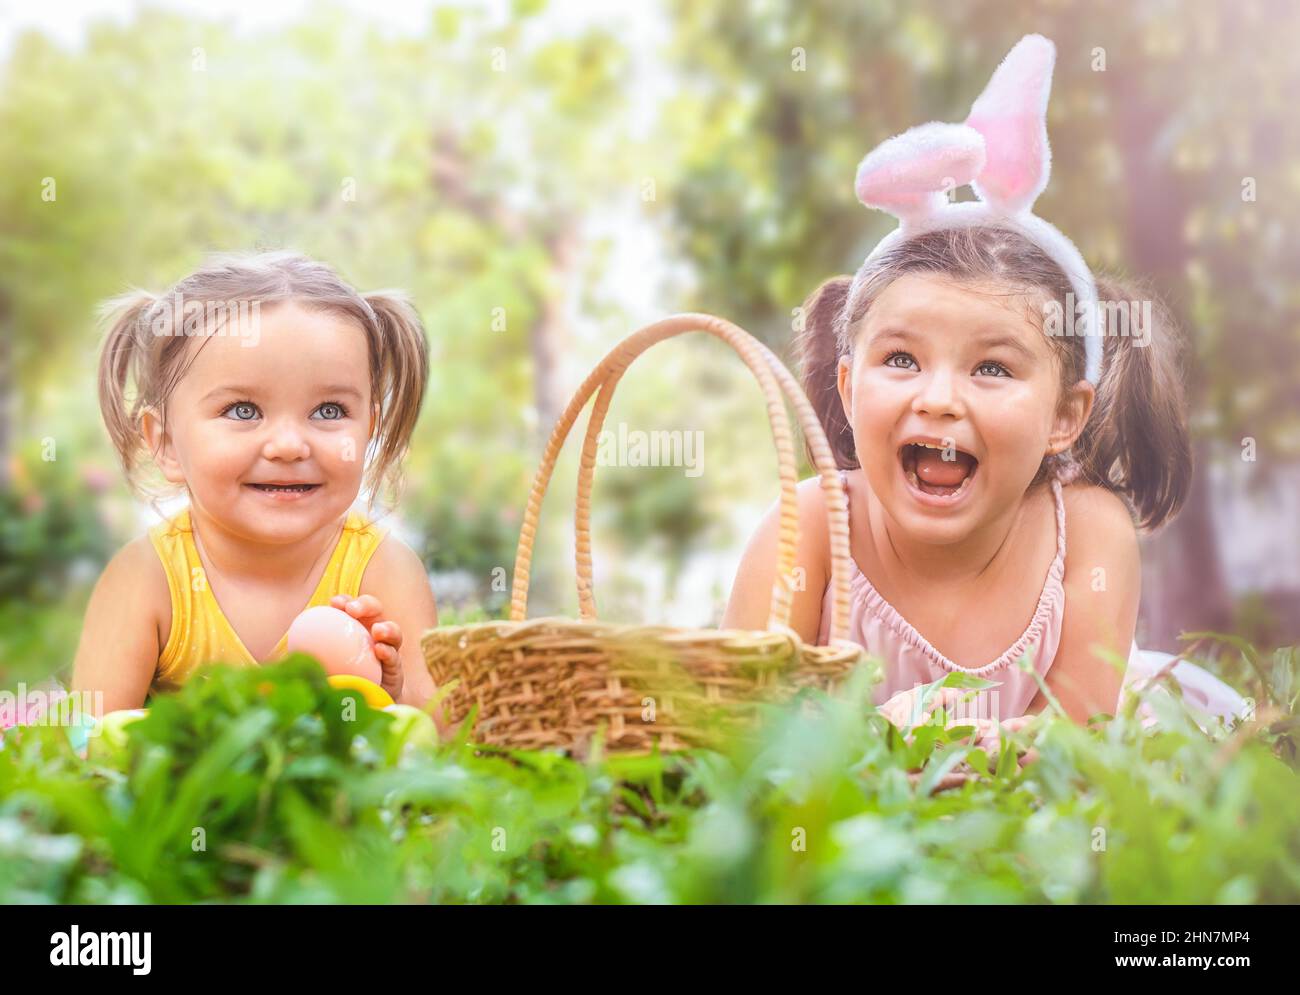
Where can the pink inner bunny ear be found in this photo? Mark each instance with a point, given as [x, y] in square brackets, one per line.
[1011, 114]
[910, 174]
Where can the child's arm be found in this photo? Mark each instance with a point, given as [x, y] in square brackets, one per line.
[1103, 583]
[751, 594]
[396, 579]
[120, 639]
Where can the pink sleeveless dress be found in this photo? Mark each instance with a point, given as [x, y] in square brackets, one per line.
[909, 659]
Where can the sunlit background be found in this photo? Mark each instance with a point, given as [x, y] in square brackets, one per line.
[545, 178]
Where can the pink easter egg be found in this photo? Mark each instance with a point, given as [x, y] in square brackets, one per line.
[337, 640]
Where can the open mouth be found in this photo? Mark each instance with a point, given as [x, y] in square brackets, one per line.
[285, 488]
[939, 471]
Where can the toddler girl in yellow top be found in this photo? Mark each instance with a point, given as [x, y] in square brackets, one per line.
[269, 391]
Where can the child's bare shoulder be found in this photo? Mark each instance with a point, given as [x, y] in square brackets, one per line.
[813, 552]
[134, 580]
[127, 622]
[751, 592]
[394, 557]
[1098, 525]
[810, 502]
[814, 521]
[1087, 501]
[396, 575]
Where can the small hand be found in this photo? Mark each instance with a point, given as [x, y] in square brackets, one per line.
[900, 708]
[387, 636]
[987, 738]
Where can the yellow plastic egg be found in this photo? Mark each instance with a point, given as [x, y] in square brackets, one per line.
[371, 693]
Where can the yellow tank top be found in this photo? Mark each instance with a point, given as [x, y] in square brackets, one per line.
[200, 632]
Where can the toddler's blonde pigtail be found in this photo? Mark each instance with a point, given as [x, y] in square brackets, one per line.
[402, 376]
[123, 359]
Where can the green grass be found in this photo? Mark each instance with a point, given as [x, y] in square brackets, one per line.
[261, 786]
[39, 639]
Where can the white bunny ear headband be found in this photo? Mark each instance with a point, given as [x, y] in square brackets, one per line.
[1002, 152]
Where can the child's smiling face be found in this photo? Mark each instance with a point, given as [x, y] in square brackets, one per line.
[293, 408]
[962, 368]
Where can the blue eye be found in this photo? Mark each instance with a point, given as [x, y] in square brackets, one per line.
[1002, 371]
[889, 360]
[332, 411]
[243, 410]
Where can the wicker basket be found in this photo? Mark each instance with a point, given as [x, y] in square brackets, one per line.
[554, 682]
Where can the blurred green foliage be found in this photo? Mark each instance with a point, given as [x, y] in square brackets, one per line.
[255, 786]
[50, 526]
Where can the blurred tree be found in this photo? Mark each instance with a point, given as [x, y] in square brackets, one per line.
[1152, 168]
[459, 165]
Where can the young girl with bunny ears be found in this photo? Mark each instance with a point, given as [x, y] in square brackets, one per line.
[261, 384]
[974, 433]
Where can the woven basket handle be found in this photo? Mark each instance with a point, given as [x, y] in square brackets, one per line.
[774, 380]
